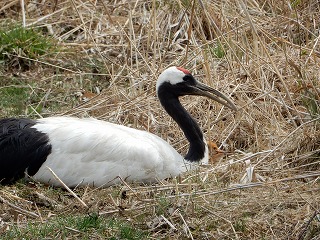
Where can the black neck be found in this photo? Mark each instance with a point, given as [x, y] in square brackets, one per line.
[188, 125]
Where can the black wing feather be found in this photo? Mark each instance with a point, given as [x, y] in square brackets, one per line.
[22, 149]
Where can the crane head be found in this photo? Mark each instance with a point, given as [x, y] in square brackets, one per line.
[178, 82]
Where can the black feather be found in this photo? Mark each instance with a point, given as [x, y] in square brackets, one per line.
[23, 149]
[168, 95]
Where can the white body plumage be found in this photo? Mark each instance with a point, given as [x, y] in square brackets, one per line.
[96, 152]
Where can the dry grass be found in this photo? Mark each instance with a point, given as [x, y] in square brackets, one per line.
[264, 54]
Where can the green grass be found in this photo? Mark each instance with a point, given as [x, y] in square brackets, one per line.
[91, 226]
[240, 226]
[309, 100]
[23, 98]
[13, 100]
[91, 221]
[31, 95]
[127, 231]
[163, 205]
[217, 51]
[19, 46]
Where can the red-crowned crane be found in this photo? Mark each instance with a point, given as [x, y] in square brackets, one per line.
[93, 152]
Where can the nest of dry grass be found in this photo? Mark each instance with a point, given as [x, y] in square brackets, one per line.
[265, 56]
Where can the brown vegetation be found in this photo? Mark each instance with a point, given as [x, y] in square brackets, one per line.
[264, 54]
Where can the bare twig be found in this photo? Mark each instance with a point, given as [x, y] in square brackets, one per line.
[18, 209]
[67, 188]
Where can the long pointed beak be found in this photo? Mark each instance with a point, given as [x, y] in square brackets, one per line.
[204, 90]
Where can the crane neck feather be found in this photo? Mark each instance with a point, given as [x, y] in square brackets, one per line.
[197, 149]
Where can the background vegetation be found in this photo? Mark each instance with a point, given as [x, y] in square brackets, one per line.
[102, 58]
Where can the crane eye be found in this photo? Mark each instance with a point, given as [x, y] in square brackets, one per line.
[188, 78]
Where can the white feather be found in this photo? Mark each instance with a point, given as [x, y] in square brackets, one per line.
[94, 152]
[171, 75]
